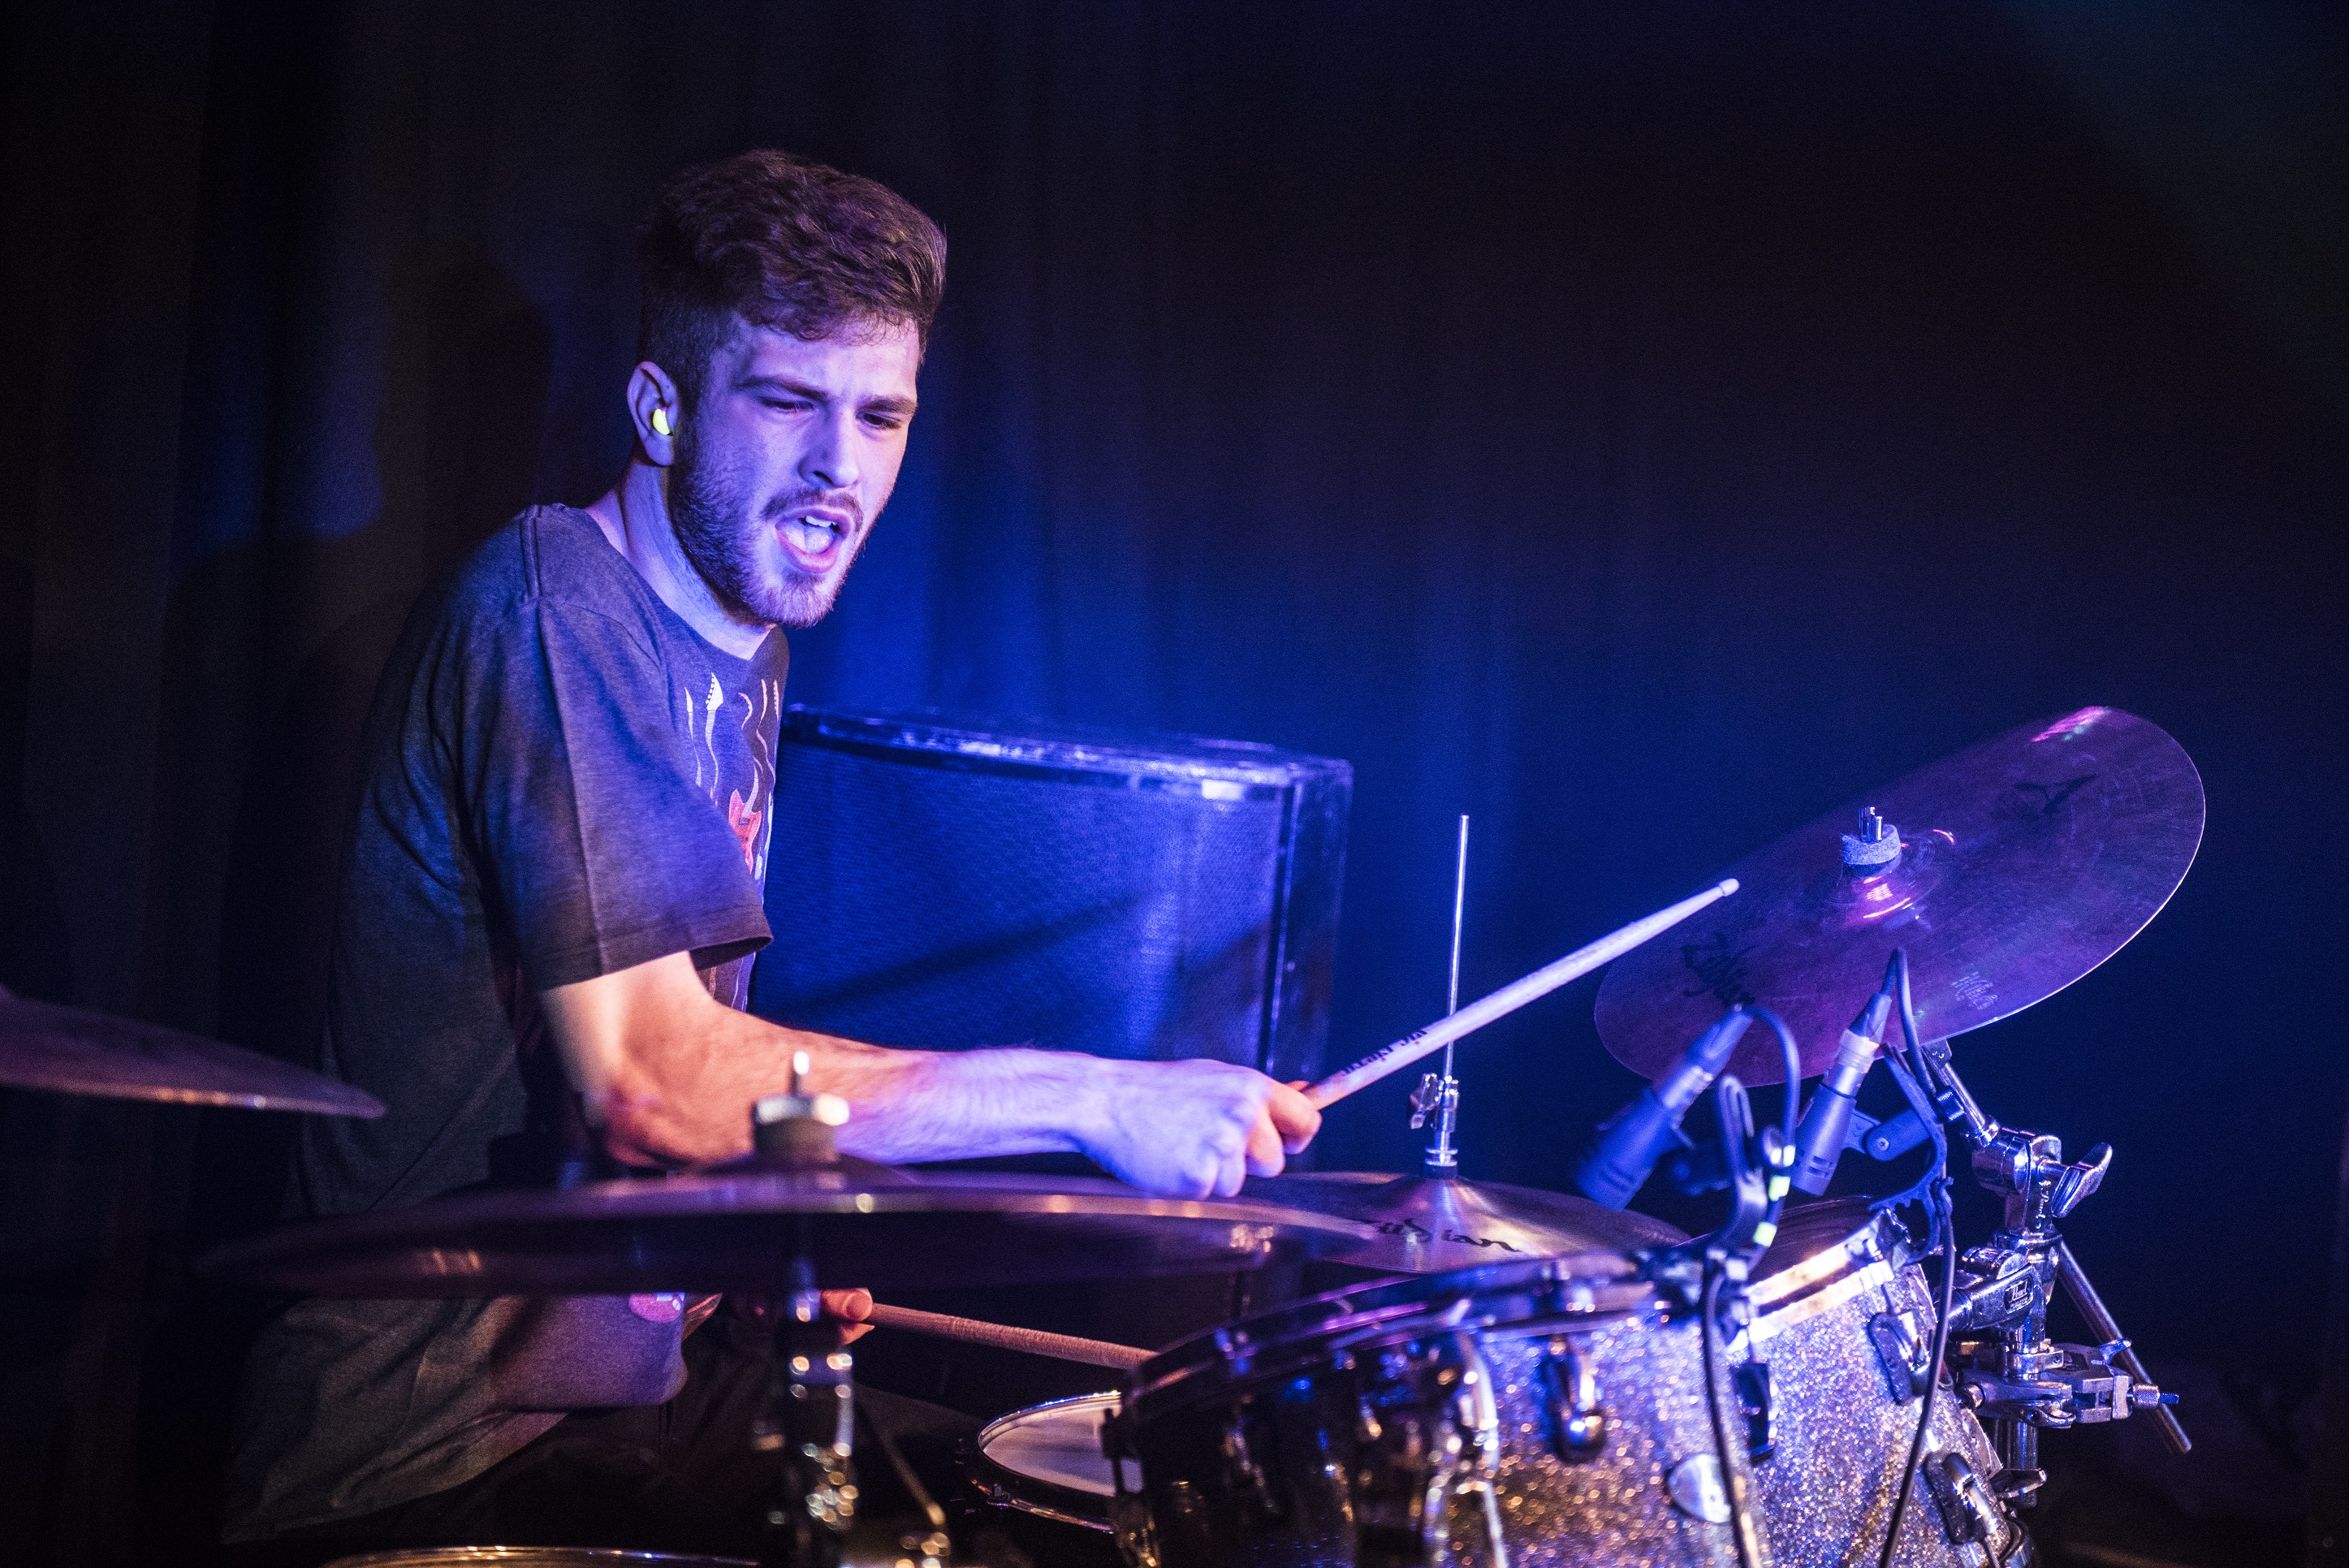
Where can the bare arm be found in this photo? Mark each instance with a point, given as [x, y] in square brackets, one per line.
[670, 1074]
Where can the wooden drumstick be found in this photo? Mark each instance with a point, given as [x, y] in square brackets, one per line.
[1004, 1336]
[1509, 999]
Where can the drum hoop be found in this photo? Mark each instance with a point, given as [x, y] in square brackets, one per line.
[1510, 1298]
[1875, 1251]
[1842, 1288]
[1001, 1484]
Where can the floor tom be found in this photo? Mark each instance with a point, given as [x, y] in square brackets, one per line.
[1844, 1320]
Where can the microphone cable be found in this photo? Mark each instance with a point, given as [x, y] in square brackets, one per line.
[1716, 1279]
[1937, 1200]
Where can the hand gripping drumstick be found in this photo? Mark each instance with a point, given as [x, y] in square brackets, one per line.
[1004, 1336]
[1509, 999]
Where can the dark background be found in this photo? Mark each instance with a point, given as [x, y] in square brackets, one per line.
[1640, 427]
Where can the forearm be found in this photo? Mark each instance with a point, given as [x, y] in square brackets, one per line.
[965, 1105]
[670, 1074]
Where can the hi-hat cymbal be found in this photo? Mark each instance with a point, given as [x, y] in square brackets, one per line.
[71, 1050]
[861, 1224]
[2027, 861]
[1425, 1226]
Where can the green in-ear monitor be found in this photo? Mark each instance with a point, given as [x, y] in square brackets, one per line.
[660, 421]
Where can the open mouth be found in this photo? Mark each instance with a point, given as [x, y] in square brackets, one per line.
[813, 542]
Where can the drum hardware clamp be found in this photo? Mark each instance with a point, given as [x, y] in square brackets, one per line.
[2007, 1369]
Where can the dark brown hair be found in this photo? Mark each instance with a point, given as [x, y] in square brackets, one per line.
[783, 243]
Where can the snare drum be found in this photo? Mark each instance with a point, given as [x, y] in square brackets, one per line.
[1549, 1412]
[1845, 1322]
[532, 1557]
[1047, 1460]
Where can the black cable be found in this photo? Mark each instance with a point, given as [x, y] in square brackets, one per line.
[1794, 1057]
[1780, 1176]
[1938, 1206]
[1914, 1074]
[1716, 1276]
[1710, 1305]
[1934, 1366]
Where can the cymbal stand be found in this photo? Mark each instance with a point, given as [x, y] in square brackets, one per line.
[811, 1426]
[2006, 1368]
[811, 1420]
[1437, 1098]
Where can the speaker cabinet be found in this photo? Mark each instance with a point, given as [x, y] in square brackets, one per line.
[949, 883]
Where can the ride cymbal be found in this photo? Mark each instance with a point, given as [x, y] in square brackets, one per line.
[2022, 864]
[861, 1224]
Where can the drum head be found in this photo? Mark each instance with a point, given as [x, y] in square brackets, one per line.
[1048, 1460]
[532, 1557]
[1806, 1229]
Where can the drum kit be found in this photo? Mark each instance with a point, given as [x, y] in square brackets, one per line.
[1521, 1377]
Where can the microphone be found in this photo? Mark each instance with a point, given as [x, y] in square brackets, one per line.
[1827, 1124]
[1632, 1140]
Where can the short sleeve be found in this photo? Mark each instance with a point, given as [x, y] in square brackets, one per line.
[579, 793]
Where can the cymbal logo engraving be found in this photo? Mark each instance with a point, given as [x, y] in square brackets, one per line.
[1414, 1230]
[1719, 972]
[1481, 1241]
[2054, 795]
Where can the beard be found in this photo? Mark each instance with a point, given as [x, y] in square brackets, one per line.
[730, 541]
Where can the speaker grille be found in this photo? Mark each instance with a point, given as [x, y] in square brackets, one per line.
[949, 883]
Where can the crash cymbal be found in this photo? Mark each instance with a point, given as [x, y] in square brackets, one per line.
[2025, 863]
[1425, 1226]
[861, 1224]
[71, 1050]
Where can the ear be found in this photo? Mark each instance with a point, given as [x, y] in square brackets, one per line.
[658, 412]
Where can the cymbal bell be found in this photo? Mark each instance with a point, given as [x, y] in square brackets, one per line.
[73, 1051]
[2025, 862]
[1423, 1225]
[861, 1225]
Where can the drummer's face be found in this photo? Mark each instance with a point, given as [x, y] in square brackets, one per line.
[786, 461]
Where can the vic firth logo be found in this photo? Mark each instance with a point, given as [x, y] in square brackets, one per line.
[2052, 796]
[1719, 970]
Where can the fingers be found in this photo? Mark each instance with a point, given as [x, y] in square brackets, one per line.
[1295, 1117]
[1265, 1152]
[852, 1308]
[854, 1305]
[1198, 1128]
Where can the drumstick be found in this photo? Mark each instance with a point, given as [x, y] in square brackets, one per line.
[1004, 1336]
[1509, 999]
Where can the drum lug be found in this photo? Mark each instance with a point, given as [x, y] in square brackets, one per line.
[1414, 1455]
[1129, 1517]
[1479, 1408]
[1753, 1379]
[1972, 1513]
[1129, 1511]
[1905, 1354]
[1569, 1385]
[1969, 1511]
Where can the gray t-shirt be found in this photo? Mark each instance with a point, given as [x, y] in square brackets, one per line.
[560, 780]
